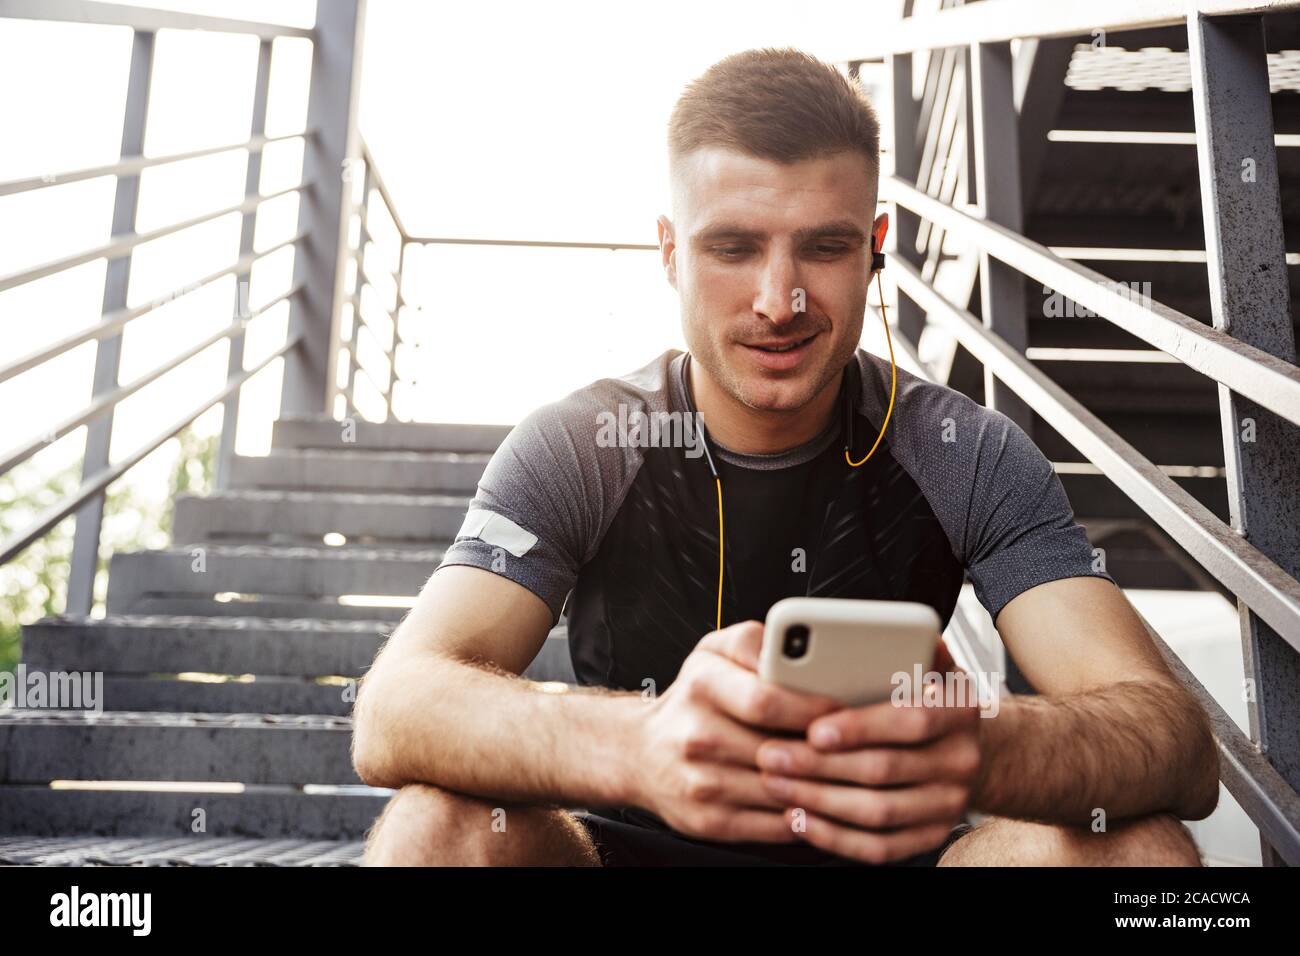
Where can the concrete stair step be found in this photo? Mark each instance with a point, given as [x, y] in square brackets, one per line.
[37, 746]
[230, 665]
[315, 469]
[308, 516]
[177, 851]
[35, 810]
[357, 434]
[137, 644]
[225, 695]
[326, 609]
[275, 572]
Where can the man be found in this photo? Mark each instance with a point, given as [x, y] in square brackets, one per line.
[674, 747]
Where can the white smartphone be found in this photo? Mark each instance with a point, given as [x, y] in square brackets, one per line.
[846, 649]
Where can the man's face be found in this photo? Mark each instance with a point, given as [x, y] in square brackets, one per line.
[772, 264]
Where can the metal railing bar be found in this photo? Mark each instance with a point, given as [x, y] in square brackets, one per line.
[247, 235]
[363, 278]
[134, 164]
[1272, 593]
[357, 366]
[101, 480]
[111, 399]
[378, 183]
[963, 632]
[114, 321]
[1262, 792]
[120, 245]
[1247, 370]
[1005, 20]
[1071, 353]
[141, 18]
[374, 331]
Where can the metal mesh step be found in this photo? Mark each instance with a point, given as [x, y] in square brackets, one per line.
[170, 851]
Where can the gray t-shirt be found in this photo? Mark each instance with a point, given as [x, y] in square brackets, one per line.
[605, 498]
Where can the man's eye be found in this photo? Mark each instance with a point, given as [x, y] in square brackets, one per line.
[730, 252]
[830, 248]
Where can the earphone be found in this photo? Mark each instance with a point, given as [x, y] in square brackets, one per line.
[877, 264]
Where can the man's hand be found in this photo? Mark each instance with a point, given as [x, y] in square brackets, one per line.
[878, 783]
[695, 750]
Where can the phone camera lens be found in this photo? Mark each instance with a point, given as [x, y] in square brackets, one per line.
[795, 644]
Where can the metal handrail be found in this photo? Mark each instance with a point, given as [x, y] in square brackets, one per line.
[998, 21]
[383, 192]
[111, 399]
[1263, 793]
[118, 246]
[132, 165]
[1245, 369]
[116, 320]
[146, 19]
[1272, 593]
[363, 278]
[102, 479]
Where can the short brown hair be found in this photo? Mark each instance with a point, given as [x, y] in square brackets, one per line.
[777, 104]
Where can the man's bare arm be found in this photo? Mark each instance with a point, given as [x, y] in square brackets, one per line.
[443, 703]
[1113, 728]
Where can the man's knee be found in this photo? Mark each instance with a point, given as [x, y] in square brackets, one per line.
[1159, 839]
[424, 825]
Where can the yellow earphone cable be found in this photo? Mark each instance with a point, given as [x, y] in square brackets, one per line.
[893, 379]
[893, 384]
[719, 481]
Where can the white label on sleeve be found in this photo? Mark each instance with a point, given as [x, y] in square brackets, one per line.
[498, 530]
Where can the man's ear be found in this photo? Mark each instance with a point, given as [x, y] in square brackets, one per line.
[879, 229]
[667, 249]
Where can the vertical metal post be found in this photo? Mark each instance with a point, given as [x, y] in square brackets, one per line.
[363, 237]
[108, 352]
[907, 159]
[997, 171]
[1250, 299]
[397, 313]
[252, 183]
[319, 260]
[992, 129]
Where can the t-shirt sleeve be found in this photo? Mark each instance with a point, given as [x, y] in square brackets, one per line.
[1021, 530]
[539, 506]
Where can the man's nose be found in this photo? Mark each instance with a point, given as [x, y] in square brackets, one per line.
[778, 284]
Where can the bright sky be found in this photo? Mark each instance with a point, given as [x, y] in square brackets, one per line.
[514, 120]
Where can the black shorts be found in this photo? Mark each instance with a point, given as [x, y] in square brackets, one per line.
[630, 836]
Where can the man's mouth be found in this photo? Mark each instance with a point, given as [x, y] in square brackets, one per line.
[781, 356]
[778, 347]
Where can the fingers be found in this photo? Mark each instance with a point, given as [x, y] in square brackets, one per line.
[739, 643]
[732, 787]
[733, 686]
[743, 826]
[873, 808]
[722, 740]
[952, 757]
[865, 845]
[731, 804]
[853, 728]
[741, 695]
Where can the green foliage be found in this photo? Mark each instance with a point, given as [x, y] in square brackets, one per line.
[34, 584]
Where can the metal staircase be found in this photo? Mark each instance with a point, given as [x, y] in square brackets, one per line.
[1110, 180]
[230, 662]
[1032, 170]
